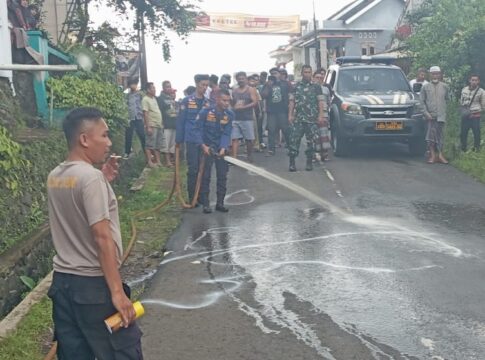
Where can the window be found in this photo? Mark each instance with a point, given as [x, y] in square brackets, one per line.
[371, 79]
[368, 48]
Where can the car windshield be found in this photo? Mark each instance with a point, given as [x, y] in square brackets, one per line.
[371, 80]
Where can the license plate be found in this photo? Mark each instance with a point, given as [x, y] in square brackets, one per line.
[389, 125]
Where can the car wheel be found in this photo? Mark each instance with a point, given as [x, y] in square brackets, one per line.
[341, 145]
[417, 147]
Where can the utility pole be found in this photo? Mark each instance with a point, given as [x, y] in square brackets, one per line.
[142, 51]
[318, 56]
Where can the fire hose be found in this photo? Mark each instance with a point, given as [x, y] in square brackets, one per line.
[176, 189]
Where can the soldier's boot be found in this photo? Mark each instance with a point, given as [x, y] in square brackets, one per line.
[292, 164]
[309, 164]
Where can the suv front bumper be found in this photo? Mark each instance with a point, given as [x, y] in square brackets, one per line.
[359, 127]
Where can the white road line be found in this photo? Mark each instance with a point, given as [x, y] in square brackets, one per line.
[329, 175]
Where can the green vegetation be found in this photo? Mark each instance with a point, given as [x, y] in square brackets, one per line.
[11, 161]
[74, 91]
[450, 33]
[33, 337]
[156, 16]
[24, 170]
[154, 228]
[29, 340]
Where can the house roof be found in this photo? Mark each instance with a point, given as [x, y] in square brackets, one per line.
[354, 10]
[350, 10]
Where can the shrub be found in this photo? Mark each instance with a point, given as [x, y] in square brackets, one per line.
[73, 91]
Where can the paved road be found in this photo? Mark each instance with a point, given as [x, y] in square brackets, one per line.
[397, 275]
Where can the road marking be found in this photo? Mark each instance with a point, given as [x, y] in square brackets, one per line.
[337, 190]
[250, 199]
[329, 174]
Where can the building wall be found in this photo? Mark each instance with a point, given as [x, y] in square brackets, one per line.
[384, 16]
[6, 53]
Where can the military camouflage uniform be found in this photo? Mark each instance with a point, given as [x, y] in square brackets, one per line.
[306, 96]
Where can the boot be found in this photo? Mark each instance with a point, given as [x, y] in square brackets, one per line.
[292, 164]
[220, 207]
[309, 164]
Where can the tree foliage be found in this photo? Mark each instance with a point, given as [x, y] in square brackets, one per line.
[11, 161]
[157, 16]
[75, 91]
[449, 33]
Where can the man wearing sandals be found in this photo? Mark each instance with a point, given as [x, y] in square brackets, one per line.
[434, 98]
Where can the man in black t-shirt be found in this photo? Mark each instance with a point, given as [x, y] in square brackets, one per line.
[276, 93]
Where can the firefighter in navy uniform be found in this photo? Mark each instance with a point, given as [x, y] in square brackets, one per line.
[213, 130]
[185, 132]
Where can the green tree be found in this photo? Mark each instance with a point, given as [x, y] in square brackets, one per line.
[449, 33]
[159, 16]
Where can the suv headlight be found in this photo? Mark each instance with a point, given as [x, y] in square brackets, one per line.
[351, 108]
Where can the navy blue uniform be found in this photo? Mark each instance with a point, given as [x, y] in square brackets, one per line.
[214, 129]
[186, 133]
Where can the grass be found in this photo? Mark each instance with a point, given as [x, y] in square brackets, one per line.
[28, 341]
[472, 163]
[32, 338]
[159, 224]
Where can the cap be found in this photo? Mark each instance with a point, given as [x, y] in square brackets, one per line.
[283, 71]
[434, 69]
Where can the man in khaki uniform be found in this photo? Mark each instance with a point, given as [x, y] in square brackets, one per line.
[83, 216]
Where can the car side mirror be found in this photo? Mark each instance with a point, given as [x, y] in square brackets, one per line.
[417, 87]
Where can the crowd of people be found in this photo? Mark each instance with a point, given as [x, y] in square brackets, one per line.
[216, 119]
[264, 112]
[434, 98]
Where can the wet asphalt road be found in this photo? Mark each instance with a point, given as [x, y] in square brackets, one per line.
[398, 275]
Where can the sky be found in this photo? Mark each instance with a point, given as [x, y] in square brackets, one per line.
[229, 53]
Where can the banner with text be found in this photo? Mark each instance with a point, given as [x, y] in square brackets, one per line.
[244, 23]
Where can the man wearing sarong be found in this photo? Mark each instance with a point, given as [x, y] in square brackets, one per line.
[434, 98]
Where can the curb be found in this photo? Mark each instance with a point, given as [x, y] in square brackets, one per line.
[11, 321]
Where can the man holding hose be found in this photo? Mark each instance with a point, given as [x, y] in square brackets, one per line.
[83, 216]
[213, 133]
[185, 133]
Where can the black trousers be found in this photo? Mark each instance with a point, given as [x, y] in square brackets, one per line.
[193, 153]
[80, 304]
[277, 122]
[466, 125]
[221, 174]
[138, 126]
[259, 127]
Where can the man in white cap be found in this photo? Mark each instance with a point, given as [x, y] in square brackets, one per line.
[434, 97]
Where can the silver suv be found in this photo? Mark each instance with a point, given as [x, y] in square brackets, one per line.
[372, 101]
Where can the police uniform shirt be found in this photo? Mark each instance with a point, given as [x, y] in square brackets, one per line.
[189, 109]
[214, 128]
